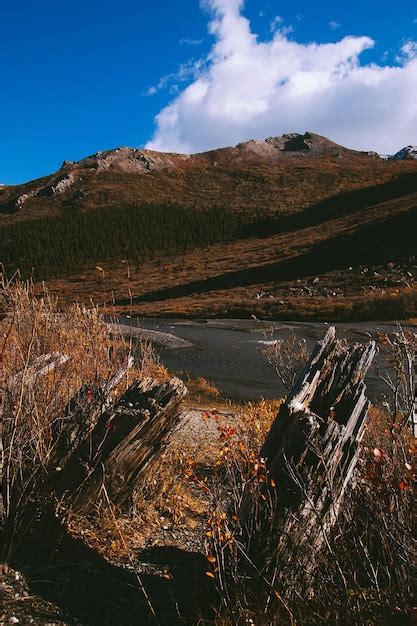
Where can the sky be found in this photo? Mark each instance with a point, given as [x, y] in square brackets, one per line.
[83, 76]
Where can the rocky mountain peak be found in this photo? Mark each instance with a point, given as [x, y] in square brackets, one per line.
[409, 153]
[128, 160]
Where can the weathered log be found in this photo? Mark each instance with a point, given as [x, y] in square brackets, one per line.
[311, 452]
[125, 440]
[81, 415]
[414, 411]
[41, 366]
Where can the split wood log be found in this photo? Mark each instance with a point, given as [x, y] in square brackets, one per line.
[311, 452]
[414, 410]
[81, 415]
[41, 366]
[122, 445]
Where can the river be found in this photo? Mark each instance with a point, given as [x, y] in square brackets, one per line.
[229, 353]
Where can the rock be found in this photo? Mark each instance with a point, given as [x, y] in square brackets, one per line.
[372, 154]
[409, 153]
[23, 198]
[63, 184]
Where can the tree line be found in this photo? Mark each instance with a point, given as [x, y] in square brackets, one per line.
[56, 246]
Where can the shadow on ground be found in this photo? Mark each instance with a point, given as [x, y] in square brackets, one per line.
[89, 590]
[374, 243]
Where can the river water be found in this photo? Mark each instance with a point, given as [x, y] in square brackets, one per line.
[229, 353]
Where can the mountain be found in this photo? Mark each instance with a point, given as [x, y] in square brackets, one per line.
[405, 154]
[264, 172]
[294, 226]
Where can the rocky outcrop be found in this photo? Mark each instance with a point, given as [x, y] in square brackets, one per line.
[133, 160]
[22, 199]
[56, 188]
[63, 184]
[409, 153]
[296, 144]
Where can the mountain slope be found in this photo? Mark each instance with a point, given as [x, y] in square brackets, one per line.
[280, 174]
[354, 264]
[293, 226]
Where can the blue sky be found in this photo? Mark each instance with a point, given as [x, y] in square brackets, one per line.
[75, 76]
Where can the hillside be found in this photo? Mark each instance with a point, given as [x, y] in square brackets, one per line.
[280, 174]
[291, 227]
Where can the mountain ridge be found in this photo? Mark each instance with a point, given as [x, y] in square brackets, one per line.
[279, 146]
[268, 172]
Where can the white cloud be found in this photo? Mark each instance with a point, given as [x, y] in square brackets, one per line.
[275, 23]
[185, 71]
[409, 49]
[334, 25]
[151, 91]
[249, 88]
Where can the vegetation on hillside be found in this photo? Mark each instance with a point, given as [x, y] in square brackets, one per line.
[229, 233]
[59, 245]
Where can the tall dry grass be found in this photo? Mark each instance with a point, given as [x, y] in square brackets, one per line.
[33, 404]
[365, 571]
[364, 574]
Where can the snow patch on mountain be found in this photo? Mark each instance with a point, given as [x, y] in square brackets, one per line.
[405, 154]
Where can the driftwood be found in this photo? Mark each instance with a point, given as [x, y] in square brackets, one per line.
[126, 438]
[311, 452]
[42, 365]
[414, 412]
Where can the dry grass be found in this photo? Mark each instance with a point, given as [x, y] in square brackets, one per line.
[196, 477]
[364, 575]
[392, 304]
[201, 391]
[32, 405]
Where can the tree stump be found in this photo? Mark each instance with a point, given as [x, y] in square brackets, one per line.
[310, 453]
[126, 439]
